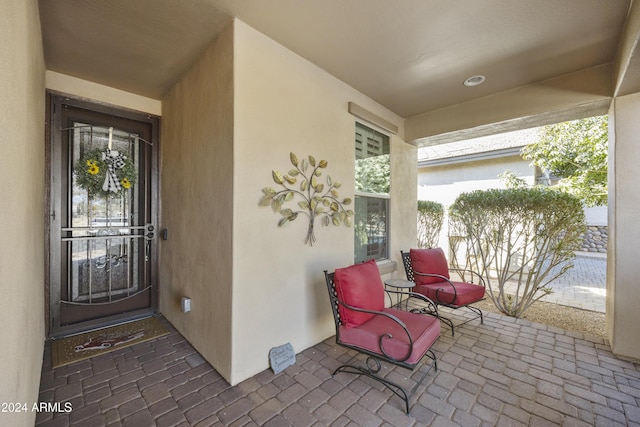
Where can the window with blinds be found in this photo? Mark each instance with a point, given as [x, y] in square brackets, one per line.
[373, 181]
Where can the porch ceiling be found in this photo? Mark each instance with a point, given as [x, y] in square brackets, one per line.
[410, 56]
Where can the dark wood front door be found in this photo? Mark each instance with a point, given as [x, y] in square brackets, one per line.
[103, 214]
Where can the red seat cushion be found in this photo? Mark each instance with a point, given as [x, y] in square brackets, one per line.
[424, 330]
[432, 261]
[443, 293]
[359, 286]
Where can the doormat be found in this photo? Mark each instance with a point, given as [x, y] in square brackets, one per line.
[84, 346]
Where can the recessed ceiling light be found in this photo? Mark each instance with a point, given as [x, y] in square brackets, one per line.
[475, 80]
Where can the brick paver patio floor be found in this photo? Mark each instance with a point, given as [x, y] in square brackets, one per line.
[583, 286]
[505, 372]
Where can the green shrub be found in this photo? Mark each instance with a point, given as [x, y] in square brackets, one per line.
[430, 218]
[524, 235]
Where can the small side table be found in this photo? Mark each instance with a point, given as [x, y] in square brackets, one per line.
[399, 287]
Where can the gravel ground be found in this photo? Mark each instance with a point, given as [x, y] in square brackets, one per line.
[561, 316]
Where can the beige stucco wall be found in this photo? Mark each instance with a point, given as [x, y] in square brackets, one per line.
[443, 183]
[221, 135]
[623, 270]
[197, 185]
[101, 93]
[404, 204]
[573, 96]
[283, 103]
[22, 169]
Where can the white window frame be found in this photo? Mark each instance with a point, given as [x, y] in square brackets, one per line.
[374, 195]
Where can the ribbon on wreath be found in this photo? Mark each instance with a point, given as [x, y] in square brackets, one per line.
[114, 161]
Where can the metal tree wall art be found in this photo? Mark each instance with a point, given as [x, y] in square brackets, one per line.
[314, 198]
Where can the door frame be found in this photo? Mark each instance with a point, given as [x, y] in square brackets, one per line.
[53, 144]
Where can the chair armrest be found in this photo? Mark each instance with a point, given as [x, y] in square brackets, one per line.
[387, 335]
[433, 307]
[466, 270]
[444, 279]
[439, 276]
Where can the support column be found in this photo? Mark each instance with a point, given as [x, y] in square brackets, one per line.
[623, 268]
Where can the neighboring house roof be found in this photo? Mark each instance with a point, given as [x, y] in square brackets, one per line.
[486, 147]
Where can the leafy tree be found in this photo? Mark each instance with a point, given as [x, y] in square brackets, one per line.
[522, 235]
[576, 152]
[511, 180]
[372, 174]
[430, 218]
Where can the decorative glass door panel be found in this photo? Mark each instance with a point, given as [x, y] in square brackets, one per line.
[104, 244]
[102, 227]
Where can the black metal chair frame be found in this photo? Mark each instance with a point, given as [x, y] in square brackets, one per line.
[408, 268]
[373, 364]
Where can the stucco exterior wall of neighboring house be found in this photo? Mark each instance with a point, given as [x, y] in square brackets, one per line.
[22, 112]
[446, 171]
[444, 182]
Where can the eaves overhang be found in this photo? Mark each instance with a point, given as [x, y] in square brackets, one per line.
[470, 157]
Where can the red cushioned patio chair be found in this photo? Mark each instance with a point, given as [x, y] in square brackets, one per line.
[364, 324]
[429, 270]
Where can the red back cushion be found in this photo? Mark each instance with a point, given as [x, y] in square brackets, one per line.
[359, 286]
[430, 261]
